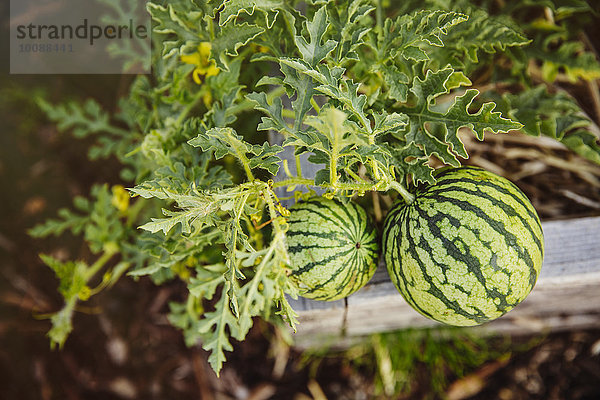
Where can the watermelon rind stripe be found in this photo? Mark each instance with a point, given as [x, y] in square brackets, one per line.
[343, 224]
[307, 267]
[322, 235]
[334, 275]
[333, 248]
[342, 220]
[497, 226]
[514, 192]
[496, 202]
[433, 289]
[464, 256]
[298, 248]
[508, 209]
[467, 249]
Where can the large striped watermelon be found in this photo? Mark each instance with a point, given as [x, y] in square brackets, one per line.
[332, 247]
[467, 250]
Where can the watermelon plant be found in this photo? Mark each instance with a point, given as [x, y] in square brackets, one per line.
[244, 94]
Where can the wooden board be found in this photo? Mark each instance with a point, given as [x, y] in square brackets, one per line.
[566, 296]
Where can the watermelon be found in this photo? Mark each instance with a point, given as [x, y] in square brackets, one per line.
[467, 250]
[333, 248]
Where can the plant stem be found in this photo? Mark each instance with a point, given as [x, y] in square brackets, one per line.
[286, 168]
[109, 250]
[353, 175]
[298, 165]
[376, 207]
[248, 172]
[379, 15]
[294, 181]
[595, 93]
[134, 211]
[333, 171]
[189, 108]
[252, 290]
[241, 155]
[381, 186]
[406, 195]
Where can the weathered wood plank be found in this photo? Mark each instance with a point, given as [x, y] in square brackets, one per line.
[567, 293]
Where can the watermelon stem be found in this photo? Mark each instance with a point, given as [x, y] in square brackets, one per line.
[379, 186]
[406, 195]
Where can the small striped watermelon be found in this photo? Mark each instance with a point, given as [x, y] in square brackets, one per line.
[332, 246]
[467, 250]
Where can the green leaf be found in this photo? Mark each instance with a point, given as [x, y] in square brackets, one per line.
[584, 143]
[304, 86]
[222, 141]
[543, 113]
[347, 93]
[213, 329]
[83, 120]
[483, 32]
[556, 115]
[332, 131]
[99, 222]
[274, 111]
[185, 318]
[314, 51]
[561, 8]
[571, 57]
[389, 123]
[182, 20]
[173, 218]
[69, 221]
[286, 310]
[411, 160]
[266, 287]
[351, 24]
[437, 132]
[258, 294]
[396, 81]
[71, 275]
[62, 325]
[229, 39]
[89, 119]
[343, 90]
[409, 35]
[235, 236]
[198, 210]
[208, 278]
[485, 119]
[265, 157]
[234, 8]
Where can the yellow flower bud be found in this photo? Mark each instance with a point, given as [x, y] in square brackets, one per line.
[204, 66]
[120, 198]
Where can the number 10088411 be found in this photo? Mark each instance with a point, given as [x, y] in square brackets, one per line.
[46, 48]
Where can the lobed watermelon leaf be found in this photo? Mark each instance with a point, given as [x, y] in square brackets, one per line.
[437, 132]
